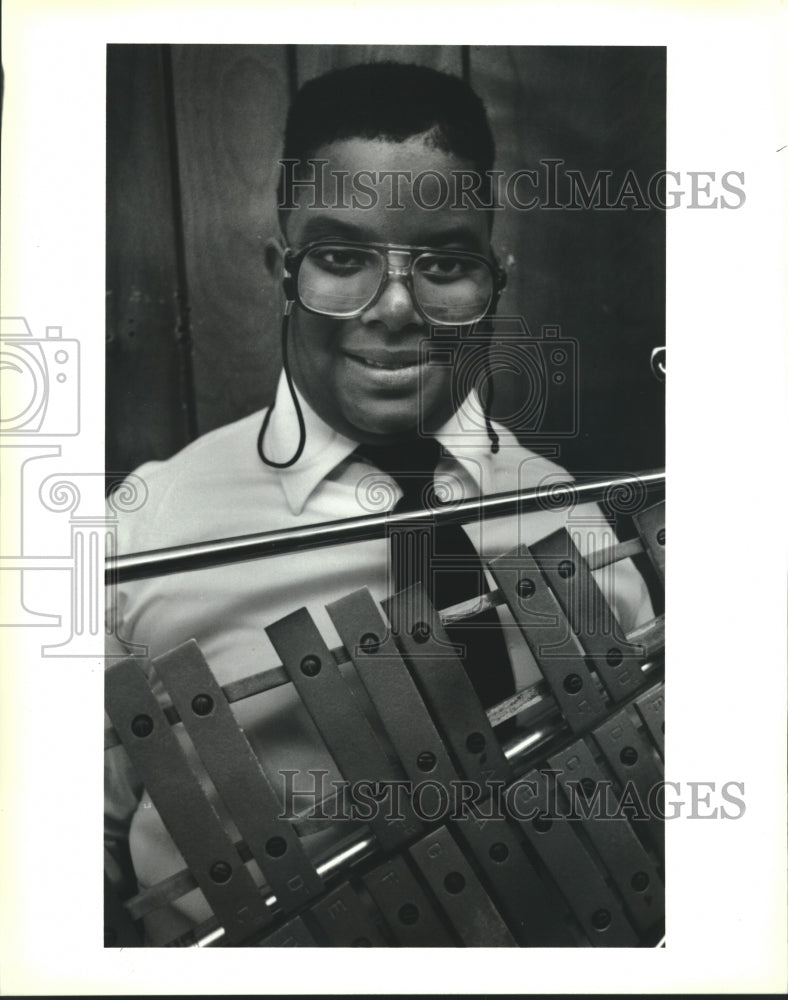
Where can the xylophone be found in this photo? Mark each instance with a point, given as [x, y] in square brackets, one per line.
[449, 835]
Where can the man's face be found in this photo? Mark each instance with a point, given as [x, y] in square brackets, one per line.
[363, 375]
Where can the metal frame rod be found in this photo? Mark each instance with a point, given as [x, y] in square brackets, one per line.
[219, 552]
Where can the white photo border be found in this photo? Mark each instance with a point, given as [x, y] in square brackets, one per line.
[726, 415]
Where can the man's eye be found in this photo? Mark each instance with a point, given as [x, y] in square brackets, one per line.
[444, 268]
[339, 261]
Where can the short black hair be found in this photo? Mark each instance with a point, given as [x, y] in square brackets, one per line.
[391, 101]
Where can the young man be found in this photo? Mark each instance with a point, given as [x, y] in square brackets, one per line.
[374, 275]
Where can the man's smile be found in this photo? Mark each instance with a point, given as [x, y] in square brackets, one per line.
[385, 360]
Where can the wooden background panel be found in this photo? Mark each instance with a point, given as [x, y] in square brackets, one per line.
[312, 60]
[146, 396]
[599, 275]
[230, 106]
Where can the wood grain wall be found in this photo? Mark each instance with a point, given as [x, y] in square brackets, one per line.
[193, 133]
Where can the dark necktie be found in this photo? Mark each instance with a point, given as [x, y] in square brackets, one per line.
[412, 465]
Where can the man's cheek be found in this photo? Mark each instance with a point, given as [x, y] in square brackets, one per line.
[435, 386]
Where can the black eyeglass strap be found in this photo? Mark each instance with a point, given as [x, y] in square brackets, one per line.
[299, 415]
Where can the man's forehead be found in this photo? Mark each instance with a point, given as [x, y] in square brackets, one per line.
[374, 190]
[416, 152]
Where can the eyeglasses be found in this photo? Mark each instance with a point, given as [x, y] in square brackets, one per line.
[342, 279]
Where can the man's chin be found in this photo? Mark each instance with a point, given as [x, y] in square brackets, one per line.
[392, 418]
[378, 422]
[380, 429]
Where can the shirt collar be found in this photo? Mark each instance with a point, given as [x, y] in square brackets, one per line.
[325, 448]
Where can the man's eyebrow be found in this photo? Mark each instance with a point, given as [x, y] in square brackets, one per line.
[319, 226]
[460, 236]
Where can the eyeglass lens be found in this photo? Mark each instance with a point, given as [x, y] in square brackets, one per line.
[341, 281]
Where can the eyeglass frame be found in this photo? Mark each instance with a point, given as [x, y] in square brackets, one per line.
[294, 258]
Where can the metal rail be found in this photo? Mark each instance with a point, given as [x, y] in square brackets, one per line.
[219, 552]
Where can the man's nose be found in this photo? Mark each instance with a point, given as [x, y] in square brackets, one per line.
[394, 307]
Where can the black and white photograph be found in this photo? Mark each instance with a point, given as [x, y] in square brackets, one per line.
[436, 333]
[364, 559]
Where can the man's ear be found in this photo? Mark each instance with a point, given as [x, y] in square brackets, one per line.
[274, 255]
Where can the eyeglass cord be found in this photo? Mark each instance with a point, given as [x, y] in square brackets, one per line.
[299, 415]
[488, 402]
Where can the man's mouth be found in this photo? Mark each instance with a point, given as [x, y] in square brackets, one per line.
[385, 360]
